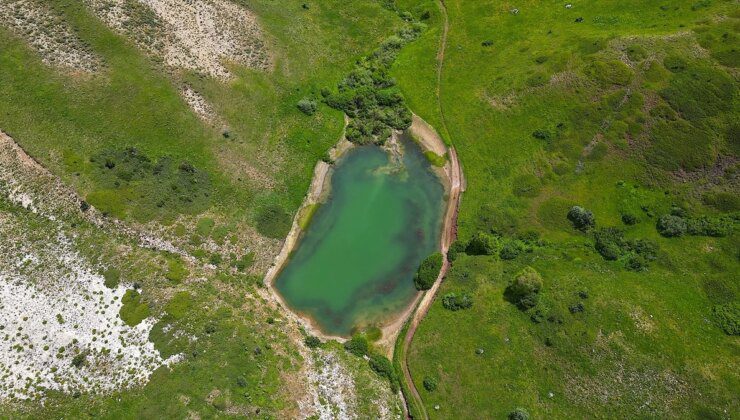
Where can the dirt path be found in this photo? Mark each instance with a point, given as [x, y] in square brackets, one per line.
[449, 232]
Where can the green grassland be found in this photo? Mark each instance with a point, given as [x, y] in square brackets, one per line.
[631, 110]
[127, 142]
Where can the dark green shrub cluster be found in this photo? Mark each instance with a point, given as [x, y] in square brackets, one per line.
[455, 302]
[133, 310]
[727, 317]
[312, 341]
[455, 249]
[518, 414]
[134, 185]
[581, 218]
[112, 277]
[430, 383]
[612, 245]
[307, 106]
[369, 95]
[524, 290]
[383, 367]
[483, 244]
[357, 345]
[670, 225]
[428, 271]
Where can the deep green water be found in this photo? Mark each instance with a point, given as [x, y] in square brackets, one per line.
[355, 264]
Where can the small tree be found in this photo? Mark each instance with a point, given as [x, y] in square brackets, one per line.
[430, 383]
[428, 271]
[357, 345]
[581, 218]
[312, 342]
[519, 414]
[524, 289]
[671, 226]
[307, 106]
[482, 244]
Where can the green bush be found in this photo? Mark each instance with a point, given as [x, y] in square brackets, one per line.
[455, 249]
[383, 367]
[581, 218]
[727, 317]
[524, 290]
[133, 310]
[519, 414]
[312, 341]
[357, 345]
[511, 249]
[629, 219]
[273, 222]
[79, 360]
[671, 226]
[482, 244]
[430, 383]
[455, 302]
[717, 227]
[428, 271]
[307, 106]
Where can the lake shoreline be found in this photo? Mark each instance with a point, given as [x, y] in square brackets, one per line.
[428, 140]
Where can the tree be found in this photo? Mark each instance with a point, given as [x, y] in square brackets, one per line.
[671, 226]
[307, 106]
[524, 290]
[428, 271]
[357, 345]
[519, 414]
[581, 218]
[482, 244]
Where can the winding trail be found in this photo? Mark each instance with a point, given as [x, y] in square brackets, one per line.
[449, 231]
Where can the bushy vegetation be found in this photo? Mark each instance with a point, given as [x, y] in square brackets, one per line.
[312, 342]
[307, 106]
[581, 218]
[133, 310]
[457, 301]
[134, 185]
[518, 414]
[636, 253]
[179, 305]
[524, 289]
[383, 367]
[430, 383]
[357, 345]
[727, 317]
[176, 270]
[369, 96]
[670, 225]
[428, 271]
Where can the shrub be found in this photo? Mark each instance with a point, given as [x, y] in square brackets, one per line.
[383, 367]
[671, 226]
[482, 244]
[519, 414]
[428, 271]
[357, 345]
[133, 310]
[543, 134]
[312, 342]
[430, 383]
[510, 250]
[455, 248]
[581, 218]
[576, 308]
[609, 242]
[727, 317]
[524, 290]
[629, 219]
[709, 226]
[78, 360]
[722, 201]
[455, 302]
[307, 106]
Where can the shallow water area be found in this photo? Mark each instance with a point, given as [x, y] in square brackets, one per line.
[355, 263]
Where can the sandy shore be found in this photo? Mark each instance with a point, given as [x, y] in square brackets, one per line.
[451, 176]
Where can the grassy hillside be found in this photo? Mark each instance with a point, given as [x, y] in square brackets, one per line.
[627, 109]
